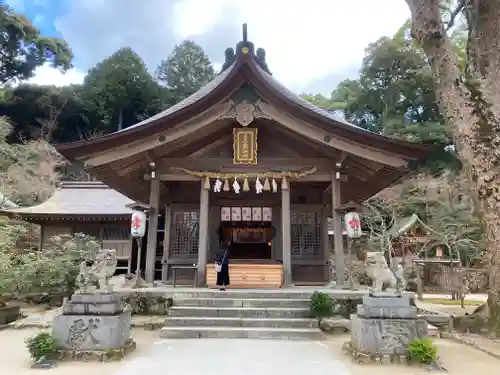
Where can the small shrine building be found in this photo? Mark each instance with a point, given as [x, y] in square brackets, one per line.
[245, 159]
[91, 208]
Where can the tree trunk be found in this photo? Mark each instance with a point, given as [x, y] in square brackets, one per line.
[120, 120]
[469, 104]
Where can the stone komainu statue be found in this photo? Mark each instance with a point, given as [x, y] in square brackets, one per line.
[99, 271]
[381, 275]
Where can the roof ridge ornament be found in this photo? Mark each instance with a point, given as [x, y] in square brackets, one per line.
[245, 48]
[245, 33]
[245, 112]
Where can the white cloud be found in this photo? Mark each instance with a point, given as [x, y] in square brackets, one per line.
[45, 75]
[304, 40]
[310, 44]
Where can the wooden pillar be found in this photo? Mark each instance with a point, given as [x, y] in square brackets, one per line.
[418, 272]
[154, 202]
[203, 239]
[325, 243]
[166, 243]
[337, 231]
[286, 234]
[41, 239]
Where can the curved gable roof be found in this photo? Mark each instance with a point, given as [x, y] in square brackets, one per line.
[246, 67]
[78, 199]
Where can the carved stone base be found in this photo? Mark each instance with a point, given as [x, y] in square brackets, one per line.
[385, 336]
[385, 325]
[362, 358]
[91, 332]
[98, 355]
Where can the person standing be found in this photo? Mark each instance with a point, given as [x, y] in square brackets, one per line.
[222, 265]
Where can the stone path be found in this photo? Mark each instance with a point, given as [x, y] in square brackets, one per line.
[479, 297]
[235, 357]
[36, 318]
[487, 345]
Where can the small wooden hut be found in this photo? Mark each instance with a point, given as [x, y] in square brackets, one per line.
[91, 208]
[408, 235]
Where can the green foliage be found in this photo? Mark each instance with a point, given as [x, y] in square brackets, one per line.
[321, 305]
[119, 91]
[322, 102]
[58, 265]
[52, 271]
[56, 113]
[394, 95]
[422, 350]
[443, 203]
[186, 70]
[23, 49]
[27, 169]
[41, 345]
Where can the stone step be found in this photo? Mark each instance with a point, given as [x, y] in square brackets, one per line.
[243, 312]
[287, 293]
[432, 331]
[238, 332]
[240, 322]
[243, 302]
[241, 294]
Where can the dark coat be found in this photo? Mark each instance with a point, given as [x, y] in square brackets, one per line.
[220, 258]
[223, 275]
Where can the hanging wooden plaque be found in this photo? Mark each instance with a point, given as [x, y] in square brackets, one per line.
[245, 146]
[246, 213]
[267, 214]
[225, 214]
[235, 213]
[257, 213]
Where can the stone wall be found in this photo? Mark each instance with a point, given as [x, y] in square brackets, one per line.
[344, 307]
[156, 301]
[148, 302]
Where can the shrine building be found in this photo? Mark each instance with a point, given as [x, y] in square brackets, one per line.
[244, 159]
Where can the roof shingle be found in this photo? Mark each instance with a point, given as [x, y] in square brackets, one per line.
[79, 199]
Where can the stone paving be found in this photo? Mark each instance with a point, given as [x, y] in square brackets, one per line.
[235, 357]
[36, 318]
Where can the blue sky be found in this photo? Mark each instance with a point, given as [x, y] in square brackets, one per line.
[311, 46]
[42, 13]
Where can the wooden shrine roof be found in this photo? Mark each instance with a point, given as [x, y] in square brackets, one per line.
[77, 200]
[182, 126]
[401, 226]
[245, 69]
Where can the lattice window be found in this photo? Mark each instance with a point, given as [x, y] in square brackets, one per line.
[184, 239]
[115, 232]
[306, 234]
[89, 230]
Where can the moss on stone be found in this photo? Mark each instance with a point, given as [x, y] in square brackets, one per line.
[148, 305]
[345, 307]
[97, 355]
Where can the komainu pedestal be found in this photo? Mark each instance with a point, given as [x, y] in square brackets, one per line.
[385, 324]
[93, 321]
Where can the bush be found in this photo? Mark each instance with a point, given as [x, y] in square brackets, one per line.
[43, 344]
[321, 305]
[55, 269]
[52, 271]
[60, 262]
[422, 351]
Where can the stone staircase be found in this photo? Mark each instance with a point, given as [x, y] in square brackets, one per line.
[241, 314]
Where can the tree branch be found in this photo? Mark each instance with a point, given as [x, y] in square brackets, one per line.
[454, 14]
